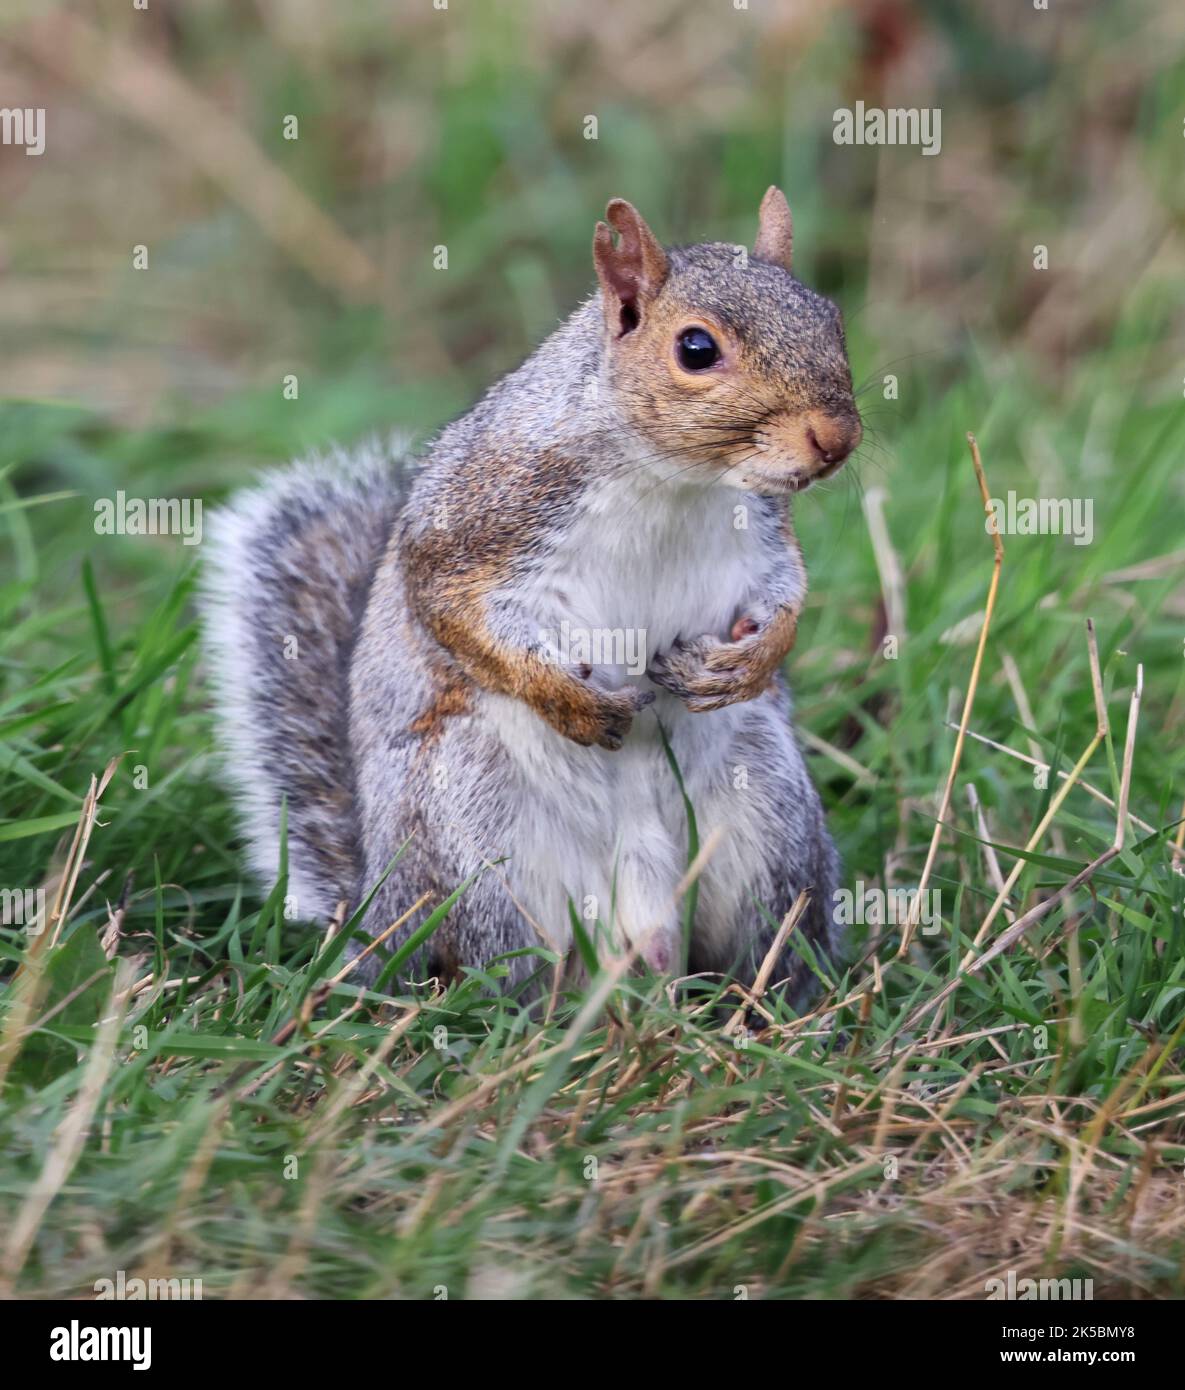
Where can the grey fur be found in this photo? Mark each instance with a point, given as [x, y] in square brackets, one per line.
[323, 556]
[287, 574]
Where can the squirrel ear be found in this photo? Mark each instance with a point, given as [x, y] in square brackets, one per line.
[775, 232]
[632, 272]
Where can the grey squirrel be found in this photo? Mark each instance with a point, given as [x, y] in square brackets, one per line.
[470, 655]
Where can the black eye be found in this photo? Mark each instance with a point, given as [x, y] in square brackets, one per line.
[696, 349]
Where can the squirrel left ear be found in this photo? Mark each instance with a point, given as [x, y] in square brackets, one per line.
[775, 232]
[632, 272]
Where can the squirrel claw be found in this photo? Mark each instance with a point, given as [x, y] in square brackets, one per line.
[607, 718]
[707, 674]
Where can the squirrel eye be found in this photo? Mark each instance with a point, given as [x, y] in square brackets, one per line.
[696, 349]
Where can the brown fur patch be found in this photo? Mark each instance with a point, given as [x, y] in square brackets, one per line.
[451, 697]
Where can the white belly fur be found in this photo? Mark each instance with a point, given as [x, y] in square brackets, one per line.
[607, 830]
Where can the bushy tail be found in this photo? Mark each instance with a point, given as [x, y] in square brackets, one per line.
[287, 572]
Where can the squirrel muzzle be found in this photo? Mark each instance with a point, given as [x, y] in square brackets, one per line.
[794, 450]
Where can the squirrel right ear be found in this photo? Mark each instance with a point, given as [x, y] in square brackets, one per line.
[632, 272]
[775, 232]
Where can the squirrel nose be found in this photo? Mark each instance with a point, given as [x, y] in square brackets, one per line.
[833, 440]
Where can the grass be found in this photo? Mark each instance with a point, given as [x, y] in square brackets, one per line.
[162, 1114]
[184, 1090]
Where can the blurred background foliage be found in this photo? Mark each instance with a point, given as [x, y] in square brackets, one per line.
[465, 127]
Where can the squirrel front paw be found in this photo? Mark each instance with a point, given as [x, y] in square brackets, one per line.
[592, 716]
[707, 674]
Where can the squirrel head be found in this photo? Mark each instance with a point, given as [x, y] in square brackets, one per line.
[723, 359]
